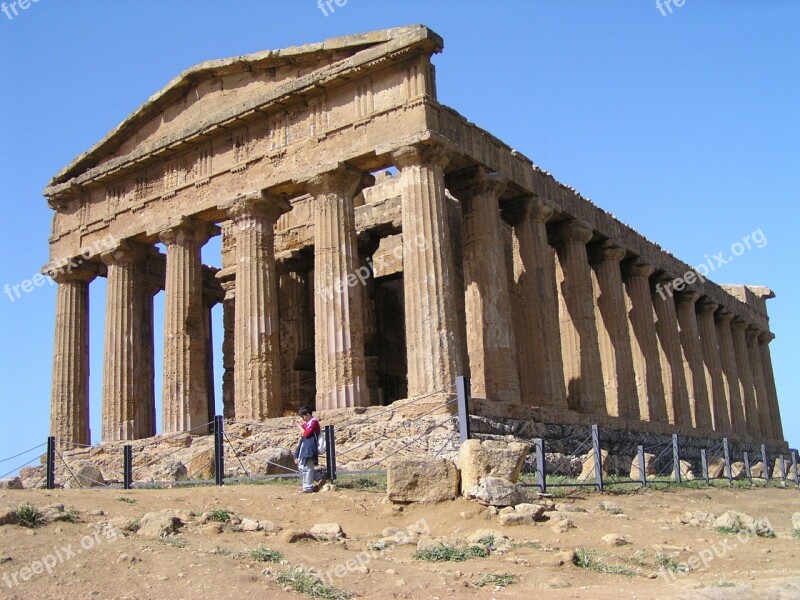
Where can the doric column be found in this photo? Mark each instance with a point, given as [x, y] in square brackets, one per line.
[729, 372]
[433, 336]
[672, 365]
[539, 359]
[692, 352]
[715, 384]
[646, 358]
[127, 357]
[751, 423]
[491, 345]
[69, 399]
[297, 334]
[184, 395]
[764, 423]
[583, 372]
[339, 300]
[257, 383]
[614, 332]
[229, 350]
[769, 381]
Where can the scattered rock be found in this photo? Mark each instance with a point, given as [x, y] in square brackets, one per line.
[563, 525]
[490, 458]
[8, 516]
[270, 461]
[506, 510]
[422, 480]
[610, 507]
[649, 467]
[84, 475]
[494, 491]
[563, 558]
[5, 559]
[159, 524]
[202, 466]
[588, 470]
[515, 518]
[13, 483]
[534, 510]
[269, 527]
[329, 487]
[737, 470]
[687, 474]
[716, 468]
[328, 532]
[796, 521]
[172, 470]
[292, 536]
[757, 470]
[213, 528]
[249, 525]
[569, 508]
[615, 539]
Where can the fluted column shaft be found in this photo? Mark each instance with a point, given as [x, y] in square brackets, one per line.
[747, 385]
[257, 383]
[692, 353]
[715, 384]
[769, 381]
[296, 337]
[229, 350]
[184, 394]
[69, 399]
[730, 373]
[583, 372]
[646, 358]
[341, 377]
[614, 333]
[763, 423]
[433, 335]
[672, 365]
[539, 359]
[491, 345]
[124, 357]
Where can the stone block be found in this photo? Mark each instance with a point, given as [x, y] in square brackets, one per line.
[494, 491]
[587, 472]
[490, 458]
[422, 480]
[649, 466]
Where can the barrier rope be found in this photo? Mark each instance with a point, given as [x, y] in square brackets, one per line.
[22, 453]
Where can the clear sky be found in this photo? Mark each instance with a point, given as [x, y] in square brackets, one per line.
[684, 124]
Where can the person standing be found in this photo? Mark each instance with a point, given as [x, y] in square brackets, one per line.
[307, 454]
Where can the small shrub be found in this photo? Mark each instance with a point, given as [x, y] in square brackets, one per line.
[262, 554]
[442, 553]
[172, 541]
[534, 545]
[304, 582]
[72, 516]
[499, 581]
[126, 500]
[30, 516]
[378, 546]
[726, 530]
[668, 563]
[222, 551]
[487, 541]
[796, 533]
[133, 526]
[220, 516]
[725, 584]
[586, 559]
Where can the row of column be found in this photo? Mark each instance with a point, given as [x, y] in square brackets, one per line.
[570, 325]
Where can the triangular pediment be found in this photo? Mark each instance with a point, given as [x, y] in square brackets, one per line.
[221, 91]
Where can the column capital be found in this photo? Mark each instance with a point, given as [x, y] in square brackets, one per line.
[638, 268]
[706, 306]
[574, 231]
[738, 324]
[334, 178]
[82, 274]
[477, 181]
[183, 230]
[608, 250]
[126, 252]
[421, 154]
[687, 297]
[765, 337]
[256, 204]
[723, 315]
[752, 332]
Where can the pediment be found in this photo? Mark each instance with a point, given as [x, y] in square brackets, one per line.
[220, 91]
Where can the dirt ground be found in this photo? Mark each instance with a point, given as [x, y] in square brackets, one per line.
[203, 562]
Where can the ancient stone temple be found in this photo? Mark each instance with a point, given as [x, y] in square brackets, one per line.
[375, 245]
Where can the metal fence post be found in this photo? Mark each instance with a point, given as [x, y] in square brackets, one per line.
[541, 477]
[642, 471]
[598, 458]
[704, 465]
[219, 451]
[746, 457]
[51, 463]
[330, 451]
[764, 461]
[462, 390]
[726, 452]
[794, 467]
[676, 458]
[127, 466]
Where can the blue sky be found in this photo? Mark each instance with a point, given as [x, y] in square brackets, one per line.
[685, 126]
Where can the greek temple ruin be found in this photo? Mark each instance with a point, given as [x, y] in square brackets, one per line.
[375, 245]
